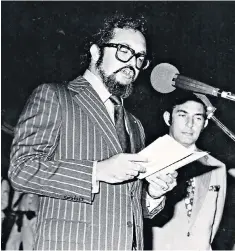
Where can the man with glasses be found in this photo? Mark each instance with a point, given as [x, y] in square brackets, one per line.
[76, 147]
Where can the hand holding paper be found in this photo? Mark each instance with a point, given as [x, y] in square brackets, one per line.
[160, 183]
[167, 155]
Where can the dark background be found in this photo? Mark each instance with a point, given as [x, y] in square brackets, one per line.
[44, 42]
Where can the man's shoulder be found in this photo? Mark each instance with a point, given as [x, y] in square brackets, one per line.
[220, 169]
[59, 85]
[52, 88]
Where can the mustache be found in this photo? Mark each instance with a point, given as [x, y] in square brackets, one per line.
[127, 67]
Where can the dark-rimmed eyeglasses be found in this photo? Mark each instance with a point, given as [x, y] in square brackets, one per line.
[124, 54]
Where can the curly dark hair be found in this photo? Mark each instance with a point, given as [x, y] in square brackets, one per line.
[121, 21]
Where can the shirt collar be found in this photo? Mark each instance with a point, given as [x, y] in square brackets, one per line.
[192, 147]
[97, 85]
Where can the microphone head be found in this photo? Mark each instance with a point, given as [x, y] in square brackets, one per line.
[162, 77]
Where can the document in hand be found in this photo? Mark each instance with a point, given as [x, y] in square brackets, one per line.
[166, 155]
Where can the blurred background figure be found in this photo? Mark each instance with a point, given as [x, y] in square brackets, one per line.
[6, 222]
[25, 207]
[5, 191]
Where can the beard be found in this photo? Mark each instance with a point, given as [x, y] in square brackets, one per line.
[115, 87]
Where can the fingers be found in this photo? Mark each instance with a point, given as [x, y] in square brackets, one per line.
[164, 181]
[173, 174]
[158, 183]
[132, 173]
[137, 158]
[139, 168]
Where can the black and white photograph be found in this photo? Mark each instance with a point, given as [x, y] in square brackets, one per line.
[117, 125]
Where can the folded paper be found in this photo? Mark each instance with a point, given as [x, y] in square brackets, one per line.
[166, 155]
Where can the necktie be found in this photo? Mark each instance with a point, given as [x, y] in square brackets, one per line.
[190, 196]
[120, 123]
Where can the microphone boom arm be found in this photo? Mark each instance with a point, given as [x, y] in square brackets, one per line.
[210, 114]
[223, 127]
[197, 86]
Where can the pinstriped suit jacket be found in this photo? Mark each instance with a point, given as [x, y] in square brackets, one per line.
[61, 132]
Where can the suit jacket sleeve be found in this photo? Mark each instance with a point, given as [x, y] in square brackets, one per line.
[32, 168]
[151, 212]
[222, 176]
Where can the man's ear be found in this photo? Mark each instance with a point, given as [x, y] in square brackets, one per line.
[206, 123]
[166, 117]
[95, 52]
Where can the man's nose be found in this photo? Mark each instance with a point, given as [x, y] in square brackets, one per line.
[190, 122]
[133, 62]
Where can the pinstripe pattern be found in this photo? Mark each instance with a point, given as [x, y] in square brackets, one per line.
[60, 134]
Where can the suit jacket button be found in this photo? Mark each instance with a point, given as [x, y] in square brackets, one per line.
[80, 199]
[188, 234]
[129, 224]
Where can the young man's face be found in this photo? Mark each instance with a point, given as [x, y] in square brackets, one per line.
[113, 70]
[187, 122]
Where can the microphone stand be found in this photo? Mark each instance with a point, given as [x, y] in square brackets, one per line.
[223, 127]
[210, 115]
[199, 87]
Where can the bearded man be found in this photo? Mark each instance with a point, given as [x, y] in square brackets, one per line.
[76, 146]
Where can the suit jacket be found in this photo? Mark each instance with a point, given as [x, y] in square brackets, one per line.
[62, 131]
[173, 229]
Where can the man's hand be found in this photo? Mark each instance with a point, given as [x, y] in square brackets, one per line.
[161, 183]
[119, 168]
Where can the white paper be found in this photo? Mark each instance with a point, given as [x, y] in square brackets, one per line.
[166, 155]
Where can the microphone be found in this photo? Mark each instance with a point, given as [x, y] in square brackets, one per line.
[165, 78]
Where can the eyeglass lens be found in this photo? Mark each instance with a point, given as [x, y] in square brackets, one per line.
[125, 54]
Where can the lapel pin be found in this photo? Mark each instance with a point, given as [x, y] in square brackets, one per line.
[215, 188]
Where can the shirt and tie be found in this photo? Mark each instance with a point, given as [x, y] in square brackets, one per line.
[106, 98]
[190, 188]
[104, 95]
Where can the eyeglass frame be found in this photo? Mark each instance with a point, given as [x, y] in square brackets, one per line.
[134, 54]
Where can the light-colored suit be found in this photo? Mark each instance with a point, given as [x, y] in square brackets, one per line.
[62, 131]
[180, 232]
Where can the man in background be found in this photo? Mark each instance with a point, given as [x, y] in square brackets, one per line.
[194, 208]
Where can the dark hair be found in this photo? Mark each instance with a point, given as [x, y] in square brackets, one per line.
[121, 21]
[181, 98]
[106, 32]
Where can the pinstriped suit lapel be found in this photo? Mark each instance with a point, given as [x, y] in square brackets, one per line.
[202, 186]
[89, 101]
